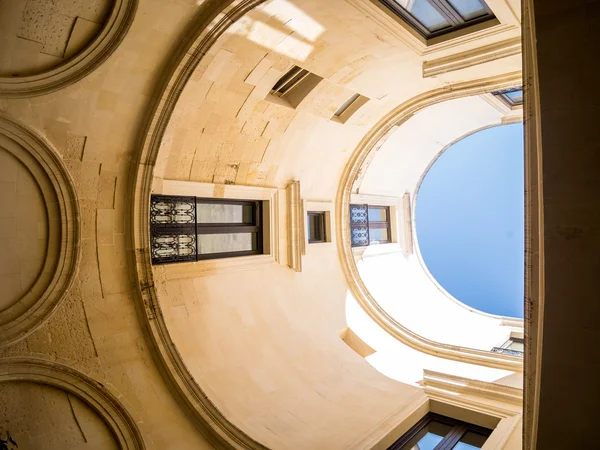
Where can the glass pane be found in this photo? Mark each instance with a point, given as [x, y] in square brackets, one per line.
[224, 213]
[377, 215]
[470, 441]
[469, 9]
[422, 10]
[517, 345]
[515, 96]
[225, 243]
[378, 235]
[316, 227]
[428, 437]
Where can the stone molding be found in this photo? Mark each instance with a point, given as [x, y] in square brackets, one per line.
[534, 232]
[88, 390]
[487, 53]
[213, 19]
[354, 167]
[62, 260]
[79, 66]
[295, 212]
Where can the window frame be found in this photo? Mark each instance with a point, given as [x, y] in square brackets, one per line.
[502, 95]
[387, 225]
[194, 228]
[323, 221]
[447, 11]
[504, 348]
[449, 441]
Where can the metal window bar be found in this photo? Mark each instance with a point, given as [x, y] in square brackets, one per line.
[174, 229]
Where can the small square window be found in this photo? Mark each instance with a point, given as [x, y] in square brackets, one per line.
[315, 227]
[513, 347]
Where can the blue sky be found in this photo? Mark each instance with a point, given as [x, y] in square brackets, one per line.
[469, 219]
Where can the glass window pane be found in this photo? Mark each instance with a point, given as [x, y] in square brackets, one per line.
[227, 242]
[378, 235]
[517, 345]
[316, 227]
[378, 215]
[470, 441]
[426, 14]
[428, 437]
[515, 96]
[469, 9]
[224, 213]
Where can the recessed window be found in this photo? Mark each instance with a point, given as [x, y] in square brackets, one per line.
[316, 227]
[349, 107]
[192, 228]
[291, 79]
[369, 224]
[512, 347]
[436, 17]
[440, 432]
[511, 97]
[293, 87]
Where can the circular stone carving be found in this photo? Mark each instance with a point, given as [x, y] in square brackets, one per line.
[23, 229]
[50, 45]
[39, 231]
[46, 404]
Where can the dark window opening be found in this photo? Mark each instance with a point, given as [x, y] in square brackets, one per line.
[184, 229]
[436, 432]
[511, 97]
[433, 18]
[369, 224]
[316, 227]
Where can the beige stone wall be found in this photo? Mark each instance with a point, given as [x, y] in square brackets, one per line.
[263, 342]
[37, 35]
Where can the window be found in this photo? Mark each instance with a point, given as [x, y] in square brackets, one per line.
[442, 433]
[316, 227]
[369, 225]
[349, 107]
[192, 229]
[513, 347]
[436, 17]
[287, 82]
[511, 97]
[293, 87]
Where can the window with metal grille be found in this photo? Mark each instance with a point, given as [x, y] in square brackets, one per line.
[511, 97]
[369, 224]
[192, 228]
[437, 432]
[433, 18]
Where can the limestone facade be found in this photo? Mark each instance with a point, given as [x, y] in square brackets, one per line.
[114, 101]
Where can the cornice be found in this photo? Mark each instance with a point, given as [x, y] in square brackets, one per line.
[480, 55]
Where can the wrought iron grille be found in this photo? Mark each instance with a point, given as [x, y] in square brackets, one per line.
[508, 351]
[359, 225]
[172, 229]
